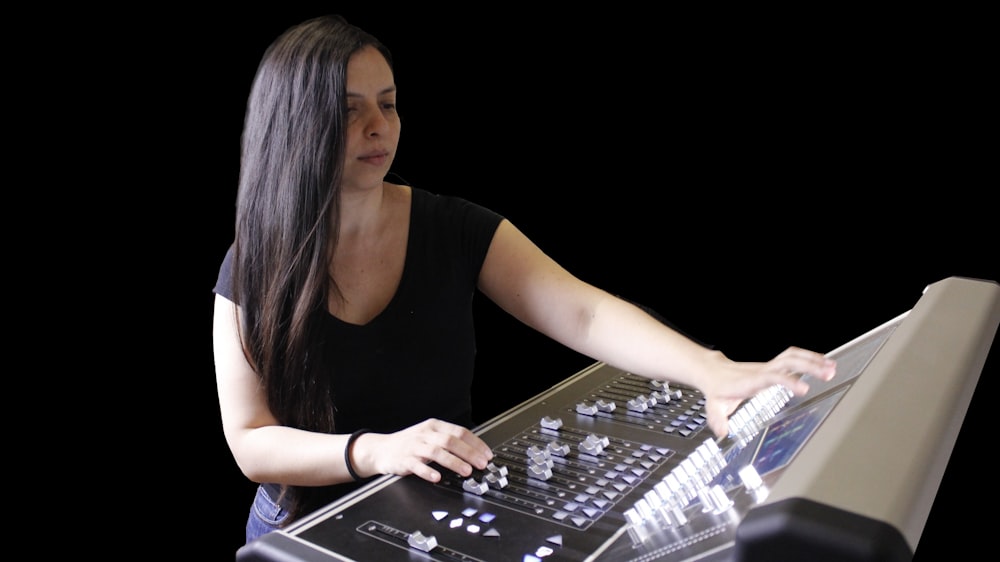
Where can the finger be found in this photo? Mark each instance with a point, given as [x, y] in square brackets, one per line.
[471, 456]
[474, 450]
[767, 377]
[793, 383]
[719, 426]
[717, 412]
[446, 459]
[799, 360]
[464, 444]
[426, 472]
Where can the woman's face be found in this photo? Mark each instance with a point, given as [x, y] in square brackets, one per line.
[372, 123]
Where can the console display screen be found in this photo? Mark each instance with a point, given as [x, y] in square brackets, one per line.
[783, 439]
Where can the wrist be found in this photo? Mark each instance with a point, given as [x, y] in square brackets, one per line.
[348, 454]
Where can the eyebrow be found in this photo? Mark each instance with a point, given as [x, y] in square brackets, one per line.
[389, 90]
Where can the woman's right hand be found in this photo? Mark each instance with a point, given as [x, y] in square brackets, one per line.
[410, 451]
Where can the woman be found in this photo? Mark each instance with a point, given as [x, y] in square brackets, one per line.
[343, 332]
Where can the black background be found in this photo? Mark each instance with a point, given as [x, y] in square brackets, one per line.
[760, 179]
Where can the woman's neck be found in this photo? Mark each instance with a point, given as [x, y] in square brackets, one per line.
[362, 212]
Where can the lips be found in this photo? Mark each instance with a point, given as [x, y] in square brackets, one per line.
[376, 158]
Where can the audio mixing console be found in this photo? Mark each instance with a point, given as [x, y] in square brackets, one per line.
[610, 466]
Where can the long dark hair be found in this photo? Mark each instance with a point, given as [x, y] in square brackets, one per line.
[287, 216]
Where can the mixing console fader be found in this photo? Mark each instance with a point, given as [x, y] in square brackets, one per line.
[611, 466]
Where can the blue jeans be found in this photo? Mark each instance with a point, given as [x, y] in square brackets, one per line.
[265, 515]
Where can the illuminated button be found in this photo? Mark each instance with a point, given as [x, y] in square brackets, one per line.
[707, 501]
[645, 511]
[722, 501]
[678, 515]
[632, 516]
[750, 477]
[667, 497]
[636, 529]
[653, 499]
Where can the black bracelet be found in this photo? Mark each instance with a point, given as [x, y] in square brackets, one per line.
[347, 452]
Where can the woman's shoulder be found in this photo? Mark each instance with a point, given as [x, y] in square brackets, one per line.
[449, 212]
[432, 201]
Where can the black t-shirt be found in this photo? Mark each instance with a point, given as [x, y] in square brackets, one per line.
[416, 359]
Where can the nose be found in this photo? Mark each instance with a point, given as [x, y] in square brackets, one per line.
[375, 123]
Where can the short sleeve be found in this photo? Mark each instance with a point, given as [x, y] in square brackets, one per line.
[224, 284]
